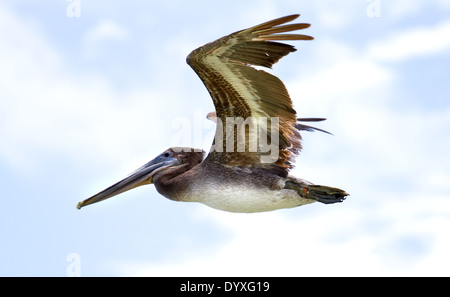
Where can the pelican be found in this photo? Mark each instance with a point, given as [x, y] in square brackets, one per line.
[257, 132]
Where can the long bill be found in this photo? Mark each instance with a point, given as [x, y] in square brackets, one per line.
[140, 177]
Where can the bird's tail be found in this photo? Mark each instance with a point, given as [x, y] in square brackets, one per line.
[310, 128]
[325, 194]
[319, 193]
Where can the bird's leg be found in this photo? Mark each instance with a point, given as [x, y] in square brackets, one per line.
[319, 193]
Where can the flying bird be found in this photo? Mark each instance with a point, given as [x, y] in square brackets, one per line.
[257, 132]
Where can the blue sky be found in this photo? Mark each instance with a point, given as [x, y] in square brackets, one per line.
[86, 100]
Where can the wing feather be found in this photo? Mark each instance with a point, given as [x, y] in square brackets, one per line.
[240, 90]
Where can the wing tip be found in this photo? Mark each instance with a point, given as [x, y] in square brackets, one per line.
[292, 16]
[270, 30]
[276, 22]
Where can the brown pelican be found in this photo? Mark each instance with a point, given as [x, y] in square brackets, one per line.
[257, 134]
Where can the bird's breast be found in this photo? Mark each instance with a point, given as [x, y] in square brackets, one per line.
[248, 199]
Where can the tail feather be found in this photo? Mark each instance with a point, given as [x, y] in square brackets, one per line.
[310, 128]
[325, 194]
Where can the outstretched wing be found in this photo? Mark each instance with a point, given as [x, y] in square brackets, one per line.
[240, 91]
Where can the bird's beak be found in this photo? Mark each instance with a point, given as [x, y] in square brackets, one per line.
[142, 176]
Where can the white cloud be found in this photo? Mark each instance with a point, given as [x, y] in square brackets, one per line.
[47, 110]
[106, 30]
[412, 43]
[346, 75]
[334, 16]
[388, 240]
[402, 8]
[443, 4]
[98, 38]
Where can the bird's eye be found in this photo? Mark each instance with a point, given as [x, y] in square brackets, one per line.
[167, 154]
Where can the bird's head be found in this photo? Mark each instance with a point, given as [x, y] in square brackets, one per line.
[169, 159]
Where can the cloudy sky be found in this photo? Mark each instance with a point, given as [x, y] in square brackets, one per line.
[91, 90]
